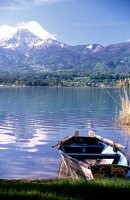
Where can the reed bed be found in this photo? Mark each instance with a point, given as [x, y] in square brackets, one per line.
[124, 115]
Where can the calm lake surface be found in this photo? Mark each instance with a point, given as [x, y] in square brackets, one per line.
[32, 119]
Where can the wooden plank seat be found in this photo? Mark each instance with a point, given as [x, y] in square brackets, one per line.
[116, 157]
[84, 149]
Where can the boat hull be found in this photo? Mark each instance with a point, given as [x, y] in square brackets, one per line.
[75, 168]
[78, 169]
[93, 156]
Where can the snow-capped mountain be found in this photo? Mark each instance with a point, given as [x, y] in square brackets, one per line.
[30, 44]
[33, 35]
[6, 32]
[22, 39]
[27, 36]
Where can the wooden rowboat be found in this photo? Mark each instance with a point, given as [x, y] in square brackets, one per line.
[93, 156]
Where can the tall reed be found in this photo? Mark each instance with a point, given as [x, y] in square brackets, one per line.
[124, 115]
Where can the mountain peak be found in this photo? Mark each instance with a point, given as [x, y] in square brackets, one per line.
[35, 28]
[6, 32]
[94, 47]
[23, 38]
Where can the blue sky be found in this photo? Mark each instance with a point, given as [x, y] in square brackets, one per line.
[73, 21]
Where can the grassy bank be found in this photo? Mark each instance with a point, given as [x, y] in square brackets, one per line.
[65, 189]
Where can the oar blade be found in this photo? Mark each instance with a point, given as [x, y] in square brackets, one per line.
[105, 140]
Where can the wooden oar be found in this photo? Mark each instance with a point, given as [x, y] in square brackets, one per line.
[61, 141]
[76, 134]
[92, 134]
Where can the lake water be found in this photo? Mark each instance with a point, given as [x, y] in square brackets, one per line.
[32, 119]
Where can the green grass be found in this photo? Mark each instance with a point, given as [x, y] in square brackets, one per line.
[65, 189]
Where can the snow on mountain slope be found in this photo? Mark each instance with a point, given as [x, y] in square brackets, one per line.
[94, 47]
[23, 39]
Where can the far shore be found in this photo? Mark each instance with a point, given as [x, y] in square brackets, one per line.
[22, 86]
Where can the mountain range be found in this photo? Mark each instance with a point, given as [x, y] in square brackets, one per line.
[29, 44]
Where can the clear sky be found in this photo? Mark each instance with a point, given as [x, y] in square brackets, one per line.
[73, 21]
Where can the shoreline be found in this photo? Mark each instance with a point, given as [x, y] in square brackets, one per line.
[26, 86]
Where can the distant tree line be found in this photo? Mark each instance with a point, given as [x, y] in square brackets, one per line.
[29, 77]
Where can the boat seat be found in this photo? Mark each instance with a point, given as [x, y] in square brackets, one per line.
[116, 157]
[83, 148]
